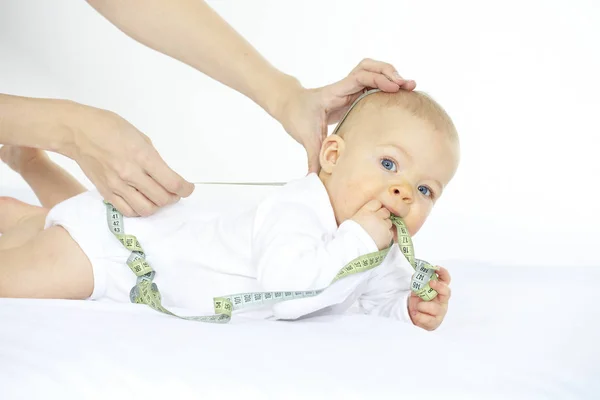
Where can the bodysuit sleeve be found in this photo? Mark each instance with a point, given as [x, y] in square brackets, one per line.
[296, 244]
[388, 289]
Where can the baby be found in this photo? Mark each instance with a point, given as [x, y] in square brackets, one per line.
[392, 154]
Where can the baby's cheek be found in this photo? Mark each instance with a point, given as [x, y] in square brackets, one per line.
[413, 229]
[417, 220]
[352, 198]
[345, 204]
[351, 206]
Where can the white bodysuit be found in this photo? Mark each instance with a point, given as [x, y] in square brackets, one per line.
[290, 241]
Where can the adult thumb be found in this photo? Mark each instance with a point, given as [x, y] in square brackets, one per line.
[313, 161]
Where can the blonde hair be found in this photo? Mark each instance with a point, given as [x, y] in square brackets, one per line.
[417, 103]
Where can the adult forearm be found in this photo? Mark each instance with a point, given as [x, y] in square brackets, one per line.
[119, 159]
[192, 32]
[39, 123]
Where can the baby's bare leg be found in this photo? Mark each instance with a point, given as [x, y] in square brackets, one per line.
[51, 265]
[13, 212]
[51, 183]
[26, 228]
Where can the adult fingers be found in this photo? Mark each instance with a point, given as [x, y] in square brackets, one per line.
[137, 201]
[157, 169]
[313, 161]
[106, 187]
[352, 86]
[153, 191]
[367, 79]
[313, 148]
[383, 68]
[120, 204]
[409, 85]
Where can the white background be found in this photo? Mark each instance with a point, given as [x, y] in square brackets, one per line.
[519, 78]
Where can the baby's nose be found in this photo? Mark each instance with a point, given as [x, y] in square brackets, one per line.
[402, 192]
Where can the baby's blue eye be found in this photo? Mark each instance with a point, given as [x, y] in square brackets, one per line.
[426, 191]
[389, 164]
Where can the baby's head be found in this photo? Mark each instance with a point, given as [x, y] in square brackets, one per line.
[399, 148]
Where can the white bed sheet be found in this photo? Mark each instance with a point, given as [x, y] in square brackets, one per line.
[504, 338]
[511, 333]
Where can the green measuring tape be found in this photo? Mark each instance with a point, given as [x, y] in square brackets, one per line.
[146, 291]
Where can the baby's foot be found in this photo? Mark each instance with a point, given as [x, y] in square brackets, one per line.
[17, 157]
[13, 212]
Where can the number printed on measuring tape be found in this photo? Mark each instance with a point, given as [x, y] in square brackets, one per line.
[146, 290]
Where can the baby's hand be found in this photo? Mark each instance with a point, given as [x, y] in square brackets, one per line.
[375, 219]
[430, 314]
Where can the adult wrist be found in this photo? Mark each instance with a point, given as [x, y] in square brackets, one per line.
[77, 120]
[65, 123]
[276, 96]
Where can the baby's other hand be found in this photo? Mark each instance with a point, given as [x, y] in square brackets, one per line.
[375, 219]
[430, 314]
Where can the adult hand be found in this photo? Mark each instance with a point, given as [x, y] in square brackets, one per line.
[308, 112]
[123, 164]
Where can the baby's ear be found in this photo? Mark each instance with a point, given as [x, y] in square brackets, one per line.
[332, 148]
